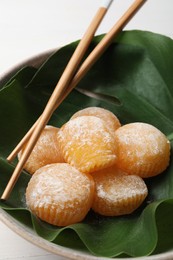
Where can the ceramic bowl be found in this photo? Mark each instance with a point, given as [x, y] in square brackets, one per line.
[27, 233]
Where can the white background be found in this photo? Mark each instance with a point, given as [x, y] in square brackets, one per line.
[29, 27]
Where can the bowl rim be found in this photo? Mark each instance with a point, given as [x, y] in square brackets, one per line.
[27, 233]
[35, 61]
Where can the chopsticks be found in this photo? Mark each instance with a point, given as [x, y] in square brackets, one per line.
[65, 79]
[66, 83]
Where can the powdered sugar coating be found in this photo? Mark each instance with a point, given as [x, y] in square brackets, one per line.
[111, 121]
[46, 150]
[142, 149]
[117, 193]
[61, 190]
[87, 144]
[128, 185]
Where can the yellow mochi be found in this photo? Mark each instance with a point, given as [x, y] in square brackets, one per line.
[142, 149]
[117, 193]
[87, 144]
[46, 150]
[59, 194]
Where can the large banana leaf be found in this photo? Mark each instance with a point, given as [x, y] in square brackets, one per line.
[133, 79]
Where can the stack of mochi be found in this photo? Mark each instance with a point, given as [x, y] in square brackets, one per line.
[92, 162]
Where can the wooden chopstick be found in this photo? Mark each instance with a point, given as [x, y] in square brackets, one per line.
[73, 64]
[63, 83]
[60, 93]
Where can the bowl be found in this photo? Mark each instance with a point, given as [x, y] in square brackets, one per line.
[29, 234]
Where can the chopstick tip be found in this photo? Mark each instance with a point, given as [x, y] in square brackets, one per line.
[3, 198]
[106, 3]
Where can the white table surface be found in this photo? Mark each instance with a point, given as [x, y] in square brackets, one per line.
[29, 27]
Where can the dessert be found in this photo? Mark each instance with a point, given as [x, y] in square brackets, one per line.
[93, 162]
[59, 194]
[46, 150]
[142, 149]
[87, 144]
[117, 193]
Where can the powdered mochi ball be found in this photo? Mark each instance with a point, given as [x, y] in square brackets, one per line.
[59, 194]
[142, 149]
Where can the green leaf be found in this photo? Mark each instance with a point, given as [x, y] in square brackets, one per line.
[134, 80]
